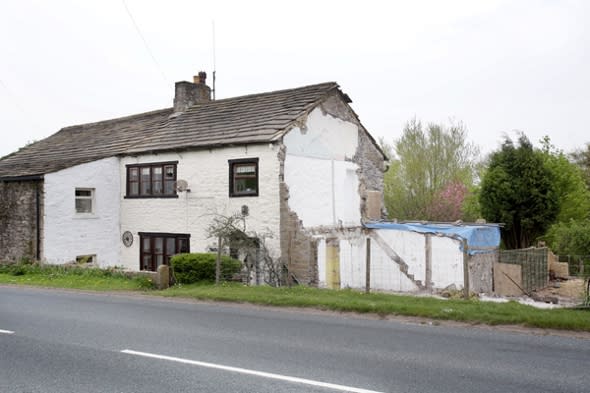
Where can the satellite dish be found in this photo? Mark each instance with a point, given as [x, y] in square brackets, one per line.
[181, 185]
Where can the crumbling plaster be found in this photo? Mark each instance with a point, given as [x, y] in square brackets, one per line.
[328, 162]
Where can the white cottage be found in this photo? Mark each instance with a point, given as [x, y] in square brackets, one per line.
[133, 191]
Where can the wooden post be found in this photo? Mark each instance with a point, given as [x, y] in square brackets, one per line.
[333, 263]
[465, 270]
[428, 261]
[289, 249]
[368, 267]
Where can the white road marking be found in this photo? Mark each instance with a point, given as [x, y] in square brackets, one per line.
[263, 374]
[6, 331]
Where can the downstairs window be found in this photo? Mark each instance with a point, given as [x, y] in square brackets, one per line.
[157, 248]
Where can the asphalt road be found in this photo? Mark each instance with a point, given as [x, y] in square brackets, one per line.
[58, 341]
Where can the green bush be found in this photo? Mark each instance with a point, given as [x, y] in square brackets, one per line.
[195, 267]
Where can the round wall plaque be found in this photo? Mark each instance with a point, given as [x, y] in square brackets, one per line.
[127, 238]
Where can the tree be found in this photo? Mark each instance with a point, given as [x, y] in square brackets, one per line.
[582, 159]
[571, 238]
[428, 165]
[572, 192]
[519, 191]
[447, 204]
[226, 229]
[570, 234]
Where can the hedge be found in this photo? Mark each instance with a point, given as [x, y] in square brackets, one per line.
[194, 267]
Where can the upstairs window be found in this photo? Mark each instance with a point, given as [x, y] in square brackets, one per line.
[155, 180]
[243, 177]
[84, 198]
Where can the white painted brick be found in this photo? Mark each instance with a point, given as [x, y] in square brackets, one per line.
[207, 174]
[68, 234]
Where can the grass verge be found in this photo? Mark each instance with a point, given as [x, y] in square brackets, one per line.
[70, 277]
[470, 311]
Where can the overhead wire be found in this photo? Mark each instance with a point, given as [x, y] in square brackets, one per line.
[147, 47]
[16, 101]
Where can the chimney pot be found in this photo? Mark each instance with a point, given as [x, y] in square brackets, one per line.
[201, 78]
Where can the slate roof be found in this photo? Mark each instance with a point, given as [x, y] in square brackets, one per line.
[256, 118]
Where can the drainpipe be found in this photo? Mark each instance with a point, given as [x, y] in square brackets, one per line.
[38, 222]
[333, 177]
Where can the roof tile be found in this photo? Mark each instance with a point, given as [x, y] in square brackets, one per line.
[255, 118]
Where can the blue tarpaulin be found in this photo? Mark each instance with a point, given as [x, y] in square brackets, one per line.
[481, 239]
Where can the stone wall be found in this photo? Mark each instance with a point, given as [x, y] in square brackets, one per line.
[18, 219]
[298, 248]
[371, 168]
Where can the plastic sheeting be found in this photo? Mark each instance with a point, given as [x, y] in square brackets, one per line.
[481, 239]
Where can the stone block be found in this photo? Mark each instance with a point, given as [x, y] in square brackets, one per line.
[505, 277]
[374, 205]
[560, 269]
[163, 277]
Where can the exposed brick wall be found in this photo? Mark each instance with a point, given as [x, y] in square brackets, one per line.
[370, 173]
[18, 219]
[298, 248]
[298, 244]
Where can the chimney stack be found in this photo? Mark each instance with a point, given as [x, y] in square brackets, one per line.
[188, 94]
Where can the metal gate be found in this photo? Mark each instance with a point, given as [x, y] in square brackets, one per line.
[533, 263]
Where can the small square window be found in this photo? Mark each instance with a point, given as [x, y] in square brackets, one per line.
[83, 259]
[243, 177]
[84, 198]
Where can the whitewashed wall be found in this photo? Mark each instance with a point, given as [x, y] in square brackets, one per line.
[447, 261]
[69, 234]
[207, 174]
[323, 182]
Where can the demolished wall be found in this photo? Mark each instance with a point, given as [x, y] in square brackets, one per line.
[331, 176]
[370, 160]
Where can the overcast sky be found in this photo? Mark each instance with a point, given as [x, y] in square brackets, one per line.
[497, 66]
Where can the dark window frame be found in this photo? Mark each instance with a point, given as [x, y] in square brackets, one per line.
[138, 168]
[152, 238]
[232, 177]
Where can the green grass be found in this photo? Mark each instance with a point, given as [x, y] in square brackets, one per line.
[470, 311]
[69, 277]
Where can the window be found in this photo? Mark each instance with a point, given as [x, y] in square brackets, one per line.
[82, 259]
[84, 200]
[155, 180]
[157, 248]
[243, 177]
